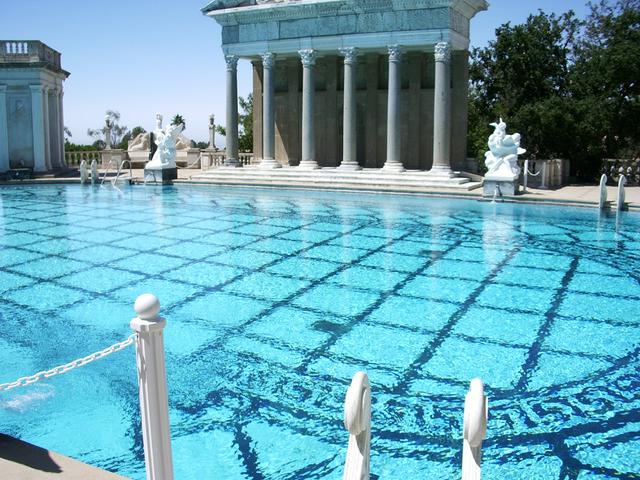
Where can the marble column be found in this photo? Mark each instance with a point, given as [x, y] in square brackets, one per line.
[268, 113]
[231, 159]
[393, 163]
[63, 162]
[4, 130]
[308, 160]
[47, 127]
[442, 113]
[349, 161]
[55, 129]
[38, 126]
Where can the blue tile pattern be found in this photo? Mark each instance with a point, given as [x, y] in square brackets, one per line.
[275, 298]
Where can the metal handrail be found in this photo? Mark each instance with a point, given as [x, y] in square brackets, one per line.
[115, 179]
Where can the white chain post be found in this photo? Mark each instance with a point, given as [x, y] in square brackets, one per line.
[152, 381]
[525, 176]
[357, 420]
[476, 412]
[543, 176]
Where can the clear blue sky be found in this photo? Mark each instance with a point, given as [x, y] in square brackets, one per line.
[141, 57]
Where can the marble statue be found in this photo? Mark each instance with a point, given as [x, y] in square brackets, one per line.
[502, 158]
[166, 139]
[139, 143]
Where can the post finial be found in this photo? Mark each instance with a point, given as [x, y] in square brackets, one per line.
[147, 306]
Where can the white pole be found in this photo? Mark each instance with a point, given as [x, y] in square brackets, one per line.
[94, 172]
[526, 174]
[152, 381]
[84, 174]
[476, 411]
[357, 420]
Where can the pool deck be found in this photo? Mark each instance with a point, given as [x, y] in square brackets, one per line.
[23, 461]
[578, 195]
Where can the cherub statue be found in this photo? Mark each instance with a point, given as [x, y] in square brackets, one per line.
[502, 157]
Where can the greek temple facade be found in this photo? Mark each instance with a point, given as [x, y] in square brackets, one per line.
[351, 83]
[31, 114]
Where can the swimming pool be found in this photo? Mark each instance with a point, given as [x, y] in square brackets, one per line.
[275, 298]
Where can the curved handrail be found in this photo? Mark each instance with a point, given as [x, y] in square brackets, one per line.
[603, 192]
[357, 421]
[114, 180]
[476, 412]
[622, 181]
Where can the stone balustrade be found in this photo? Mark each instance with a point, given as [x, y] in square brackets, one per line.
[613, 168]
[28, 51]
[75, 158]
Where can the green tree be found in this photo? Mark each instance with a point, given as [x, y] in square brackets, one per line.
[179, 120]
[570, 87]
[522, 77]
[245, 124]
[605, 83]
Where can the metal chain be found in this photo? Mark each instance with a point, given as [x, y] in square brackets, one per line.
[80, 362]
[533, 174]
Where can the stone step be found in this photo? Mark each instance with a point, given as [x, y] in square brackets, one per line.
[331, 175]
[332, 178]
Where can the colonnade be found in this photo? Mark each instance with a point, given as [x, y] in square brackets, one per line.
[393, 163]
[47, 126]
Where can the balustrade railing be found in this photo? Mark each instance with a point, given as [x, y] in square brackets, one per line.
[27, 51]
[76, 158]
[614, 168]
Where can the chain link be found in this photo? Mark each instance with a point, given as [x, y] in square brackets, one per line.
[80, 362]
[533, 174]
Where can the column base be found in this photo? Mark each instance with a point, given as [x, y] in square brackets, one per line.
[269, 163]
[442, 171]
[232, 163]
[350, 166]
[308, 165]
[393, 167]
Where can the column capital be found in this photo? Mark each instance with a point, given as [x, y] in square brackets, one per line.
[442, 52]
[232, 62]
[350, 55]
[308, 57]
[268, 60]
[395, 53]
[3, 89]
[36, 88]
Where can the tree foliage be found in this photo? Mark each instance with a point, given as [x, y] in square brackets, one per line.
[569, 86]
[245, 124]
[118, 132]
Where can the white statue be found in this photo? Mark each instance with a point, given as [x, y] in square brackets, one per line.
[165, 138]
[139, 143]
[502, 158]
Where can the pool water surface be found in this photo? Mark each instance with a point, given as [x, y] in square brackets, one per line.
[275, 298]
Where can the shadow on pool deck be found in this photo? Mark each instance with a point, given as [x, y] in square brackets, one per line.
[23, 461]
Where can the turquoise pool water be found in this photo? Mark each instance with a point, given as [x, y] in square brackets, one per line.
[275, 298]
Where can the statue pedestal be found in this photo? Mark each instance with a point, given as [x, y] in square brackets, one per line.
[163, 176]
[507, 185]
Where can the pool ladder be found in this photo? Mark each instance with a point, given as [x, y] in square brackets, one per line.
[114, 180]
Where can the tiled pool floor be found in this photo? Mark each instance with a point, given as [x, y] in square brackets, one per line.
[275, 298]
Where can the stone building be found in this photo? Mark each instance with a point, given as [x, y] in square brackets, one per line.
[351, 83]
[31, 117]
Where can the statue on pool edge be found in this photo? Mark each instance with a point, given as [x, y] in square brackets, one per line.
[166, 139]
[502, 158]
